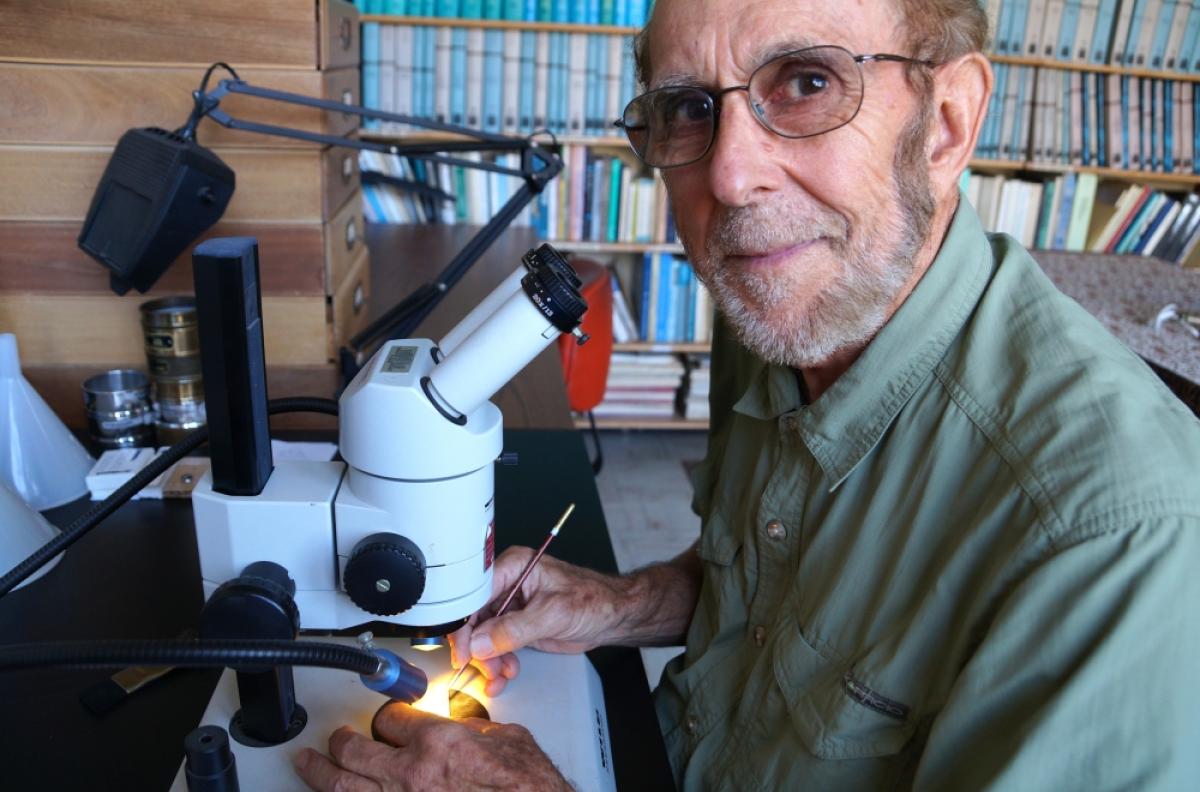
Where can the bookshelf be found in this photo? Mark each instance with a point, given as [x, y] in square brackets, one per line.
[1048, 109]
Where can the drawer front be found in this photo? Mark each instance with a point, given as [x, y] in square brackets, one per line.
[345, 239]
[339, 34]
[46, 183]
[350, 305]
[341, 178]
[44, 257]
[265, 32]
[86, 105]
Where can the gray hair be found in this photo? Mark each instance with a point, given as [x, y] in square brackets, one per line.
[935, 30]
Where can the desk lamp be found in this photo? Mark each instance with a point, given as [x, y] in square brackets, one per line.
[161, 190]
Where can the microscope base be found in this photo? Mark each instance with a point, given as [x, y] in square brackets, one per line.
[557, 697]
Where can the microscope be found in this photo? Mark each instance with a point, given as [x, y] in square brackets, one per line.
[402, 531]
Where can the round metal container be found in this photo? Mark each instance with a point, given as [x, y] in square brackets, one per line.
[171, 433]
[171, 337]
[118, 408]
[188, 412]
[179, 389]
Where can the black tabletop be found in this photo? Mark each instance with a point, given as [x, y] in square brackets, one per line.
[136, 576]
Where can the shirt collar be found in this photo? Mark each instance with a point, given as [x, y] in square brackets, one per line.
[842, 426]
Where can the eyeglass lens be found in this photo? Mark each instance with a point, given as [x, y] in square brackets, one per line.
[799, 94]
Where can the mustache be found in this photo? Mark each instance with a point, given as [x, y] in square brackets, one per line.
[761, 228]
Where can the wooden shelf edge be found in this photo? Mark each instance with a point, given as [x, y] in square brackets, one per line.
[622, 422]
[690, 348]
[1046, 168]
[616, 247]
[1103, 68]
[435, 137]
[501, 24]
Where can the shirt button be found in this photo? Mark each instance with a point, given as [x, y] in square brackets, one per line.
[692, 725]
[760, 636]
[775, 530]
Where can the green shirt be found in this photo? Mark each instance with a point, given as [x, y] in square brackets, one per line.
[972, 563]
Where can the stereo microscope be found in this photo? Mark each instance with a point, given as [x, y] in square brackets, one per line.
[401, 531]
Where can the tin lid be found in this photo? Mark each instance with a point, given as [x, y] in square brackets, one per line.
[167, 312]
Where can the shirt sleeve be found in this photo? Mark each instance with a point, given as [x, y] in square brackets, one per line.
[1088, 677]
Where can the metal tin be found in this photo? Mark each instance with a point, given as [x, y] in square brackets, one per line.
[179, 389]
[118, 407]
[171, 337]
[170, 433]
[188, 412]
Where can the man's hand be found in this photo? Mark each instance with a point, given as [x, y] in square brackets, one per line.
[560, 608]
[415, 750]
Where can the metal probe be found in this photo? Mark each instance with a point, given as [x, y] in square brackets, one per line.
[517, 586]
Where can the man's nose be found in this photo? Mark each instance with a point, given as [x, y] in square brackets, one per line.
[741, 163]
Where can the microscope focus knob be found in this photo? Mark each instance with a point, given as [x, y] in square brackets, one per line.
[385, 574]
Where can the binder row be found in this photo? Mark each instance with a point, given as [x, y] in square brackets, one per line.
[1145, 34]
[1054, 116]
[623, 13]
[674, 307]
[1079, 212]
[597, 198]
[508, 81]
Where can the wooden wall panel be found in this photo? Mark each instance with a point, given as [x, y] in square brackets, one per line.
[275, 32]
[95, 105]
[44, 257]
[46, 183]
[70, 329]
[61, 387]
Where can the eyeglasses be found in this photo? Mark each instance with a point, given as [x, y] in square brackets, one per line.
[799, 94]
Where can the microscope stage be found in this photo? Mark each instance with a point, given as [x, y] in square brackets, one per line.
[557, 697]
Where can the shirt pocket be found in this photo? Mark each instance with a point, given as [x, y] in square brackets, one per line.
[835, 712]
[722, 608]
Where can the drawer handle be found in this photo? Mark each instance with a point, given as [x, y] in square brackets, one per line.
[351, 234]
[347, 168]
[360, 298]
[344, 34]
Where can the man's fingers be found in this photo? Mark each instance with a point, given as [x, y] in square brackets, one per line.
[509, 566]
[510, 666]
[363, 755]
[494, 687]
[460, 644]
[323, 775]
[490, 668]
[396, 723]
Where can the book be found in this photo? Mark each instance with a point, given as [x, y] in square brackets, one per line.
[1081, 211]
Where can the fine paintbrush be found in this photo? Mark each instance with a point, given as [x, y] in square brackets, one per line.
[521, 579]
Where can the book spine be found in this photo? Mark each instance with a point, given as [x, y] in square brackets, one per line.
[458, 76]
[443, 85]
[528, 90]
[1106, 17]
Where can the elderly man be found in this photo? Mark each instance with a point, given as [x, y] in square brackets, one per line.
[951, 528]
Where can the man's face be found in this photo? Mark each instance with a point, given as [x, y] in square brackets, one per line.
[807, 244]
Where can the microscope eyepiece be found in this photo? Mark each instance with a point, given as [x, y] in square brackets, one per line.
[554, 288]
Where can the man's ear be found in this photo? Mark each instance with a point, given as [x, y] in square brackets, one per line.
[962, 90]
